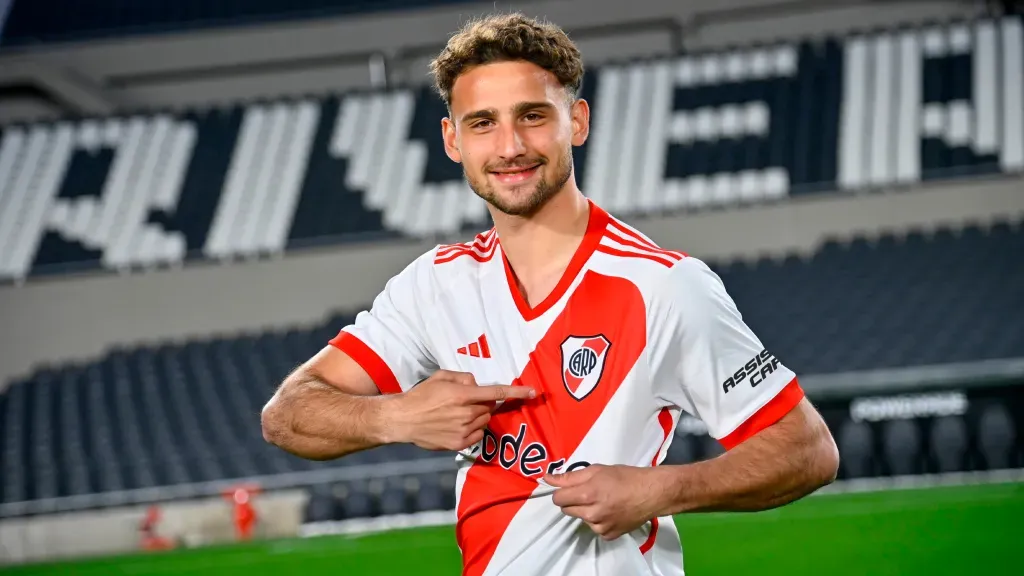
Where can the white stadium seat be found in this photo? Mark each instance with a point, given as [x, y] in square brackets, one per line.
[986, 96]
[1013, 95]
[881, 112]
[908, 110]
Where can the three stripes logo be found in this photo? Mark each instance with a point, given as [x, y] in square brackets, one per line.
[478, 349]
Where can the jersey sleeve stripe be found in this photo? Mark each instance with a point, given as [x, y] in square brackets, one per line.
[663, 260]
[635, 235]
[374, 365]
[441, 252]
[485, 257]
[483, 242]
[770, 413]
[675, 256]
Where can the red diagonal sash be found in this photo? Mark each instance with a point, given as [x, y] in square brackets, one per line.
[555, 423]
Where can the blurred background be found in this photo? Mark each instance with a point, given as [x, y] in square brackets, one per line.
[196, 195]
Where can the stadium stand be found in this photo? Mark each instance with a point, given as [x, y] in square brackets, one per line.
[188, 412]
[903, 325]
[872, 110]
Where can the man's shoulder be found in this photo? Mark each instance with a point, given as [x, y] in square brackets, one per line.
[435, 269]
[449, 257]
[626, 252]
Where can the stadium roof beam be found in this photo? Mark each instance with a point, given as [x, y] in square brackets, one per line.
[74, 94]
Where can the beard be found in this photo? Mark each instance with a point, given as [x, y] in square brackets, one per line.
[519, 201]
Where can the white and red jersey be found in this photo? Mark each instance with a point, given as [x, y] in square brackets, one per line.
[630, 338]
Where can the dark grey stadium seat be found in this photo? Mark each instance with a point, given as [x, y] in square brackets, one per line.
[901, 440]
[856, 449]
[681, 451]
[429, 493]
[710, 448]
[447, 481]
[44, 485]
[359, 502]
[996, 437]
[394, 498]
[948, 439]
[322, 506]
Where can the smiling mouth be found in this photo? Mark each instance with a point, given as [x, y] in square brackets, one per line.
[515, 175]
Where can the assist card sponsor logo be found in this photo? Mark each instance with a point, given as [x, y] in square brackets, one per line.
[754, 371]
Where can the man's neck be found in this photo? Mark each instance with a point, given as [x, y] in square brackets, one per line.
[539, 247]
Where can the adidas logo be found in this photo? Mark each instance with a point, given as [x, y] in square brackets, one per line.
[478, 349]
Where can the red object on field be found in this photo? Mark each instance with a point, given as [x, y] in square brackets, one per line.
[245, 516]
[150, 539]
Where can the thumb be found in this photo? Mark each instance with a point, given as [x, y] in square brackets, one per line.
[566, 479]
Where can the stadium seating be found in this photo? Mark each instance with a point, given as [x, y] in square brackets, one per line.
[757, 124]
[41, 21]
[189, 412]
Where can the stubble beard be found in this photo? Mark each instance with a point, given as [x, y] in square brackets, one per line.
[544, 190]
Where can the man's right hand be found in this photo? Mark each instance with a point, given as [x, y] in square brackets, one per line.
[449, 411]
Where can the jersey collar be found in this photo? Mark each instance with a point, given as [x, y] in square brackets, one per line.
[596, 224]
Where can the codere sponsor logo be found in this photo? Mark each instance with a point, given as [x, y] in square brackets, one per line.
[531, 460]
[756, 370]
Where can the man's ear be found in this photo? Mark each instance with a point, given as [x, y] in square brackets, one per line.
[580, 111]
[448, 135]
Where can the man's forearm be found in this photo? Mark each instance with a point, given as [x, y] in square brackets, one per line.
[781, 464]
[314, 420]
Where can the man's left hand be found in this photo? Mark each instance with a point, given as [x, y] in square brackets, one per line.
[612, 500]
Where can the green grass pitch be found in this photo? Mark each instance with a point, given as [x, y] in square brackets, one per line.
[954, 530]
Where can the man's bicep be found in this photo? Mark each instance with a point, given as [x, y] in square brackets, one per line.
[335, 367]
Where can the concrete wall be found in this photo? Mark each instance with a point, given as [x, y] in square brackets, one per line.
[299, 58]
[116, 530]
[81, 318]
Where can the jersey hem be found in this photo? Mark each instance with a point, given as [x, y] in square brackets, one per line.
[769, 414]
[369, 361]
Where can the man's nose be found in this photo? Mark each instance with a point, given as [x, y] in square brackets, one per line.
[510, 142]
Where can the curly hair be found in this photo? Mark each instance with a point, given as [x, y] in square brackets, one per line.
[503, 38]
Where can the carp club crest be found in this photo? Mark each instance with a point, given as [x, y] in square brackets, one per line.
[583, 363]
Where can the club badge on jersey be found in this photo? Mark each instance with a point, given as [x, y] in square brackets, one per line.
[583, 363]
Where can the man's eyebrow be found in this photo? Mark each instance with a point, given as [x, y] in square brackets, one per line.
[517, 110]
[479, 114]
[523, 107]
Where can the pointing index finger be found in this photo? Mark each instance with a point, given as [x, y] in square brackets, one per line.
[499, 392]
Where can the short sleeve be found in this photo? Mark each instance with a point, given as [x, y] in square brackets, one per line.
[389, 340]
[706, 360]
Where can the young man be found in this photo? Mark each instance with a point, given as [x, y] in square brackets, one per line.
[556, 351]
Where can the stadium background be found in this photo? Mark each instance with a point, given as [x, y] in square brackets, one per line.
[194, 196]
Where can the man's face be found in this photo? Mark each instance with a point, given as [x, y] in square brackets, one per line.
[513, 127]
